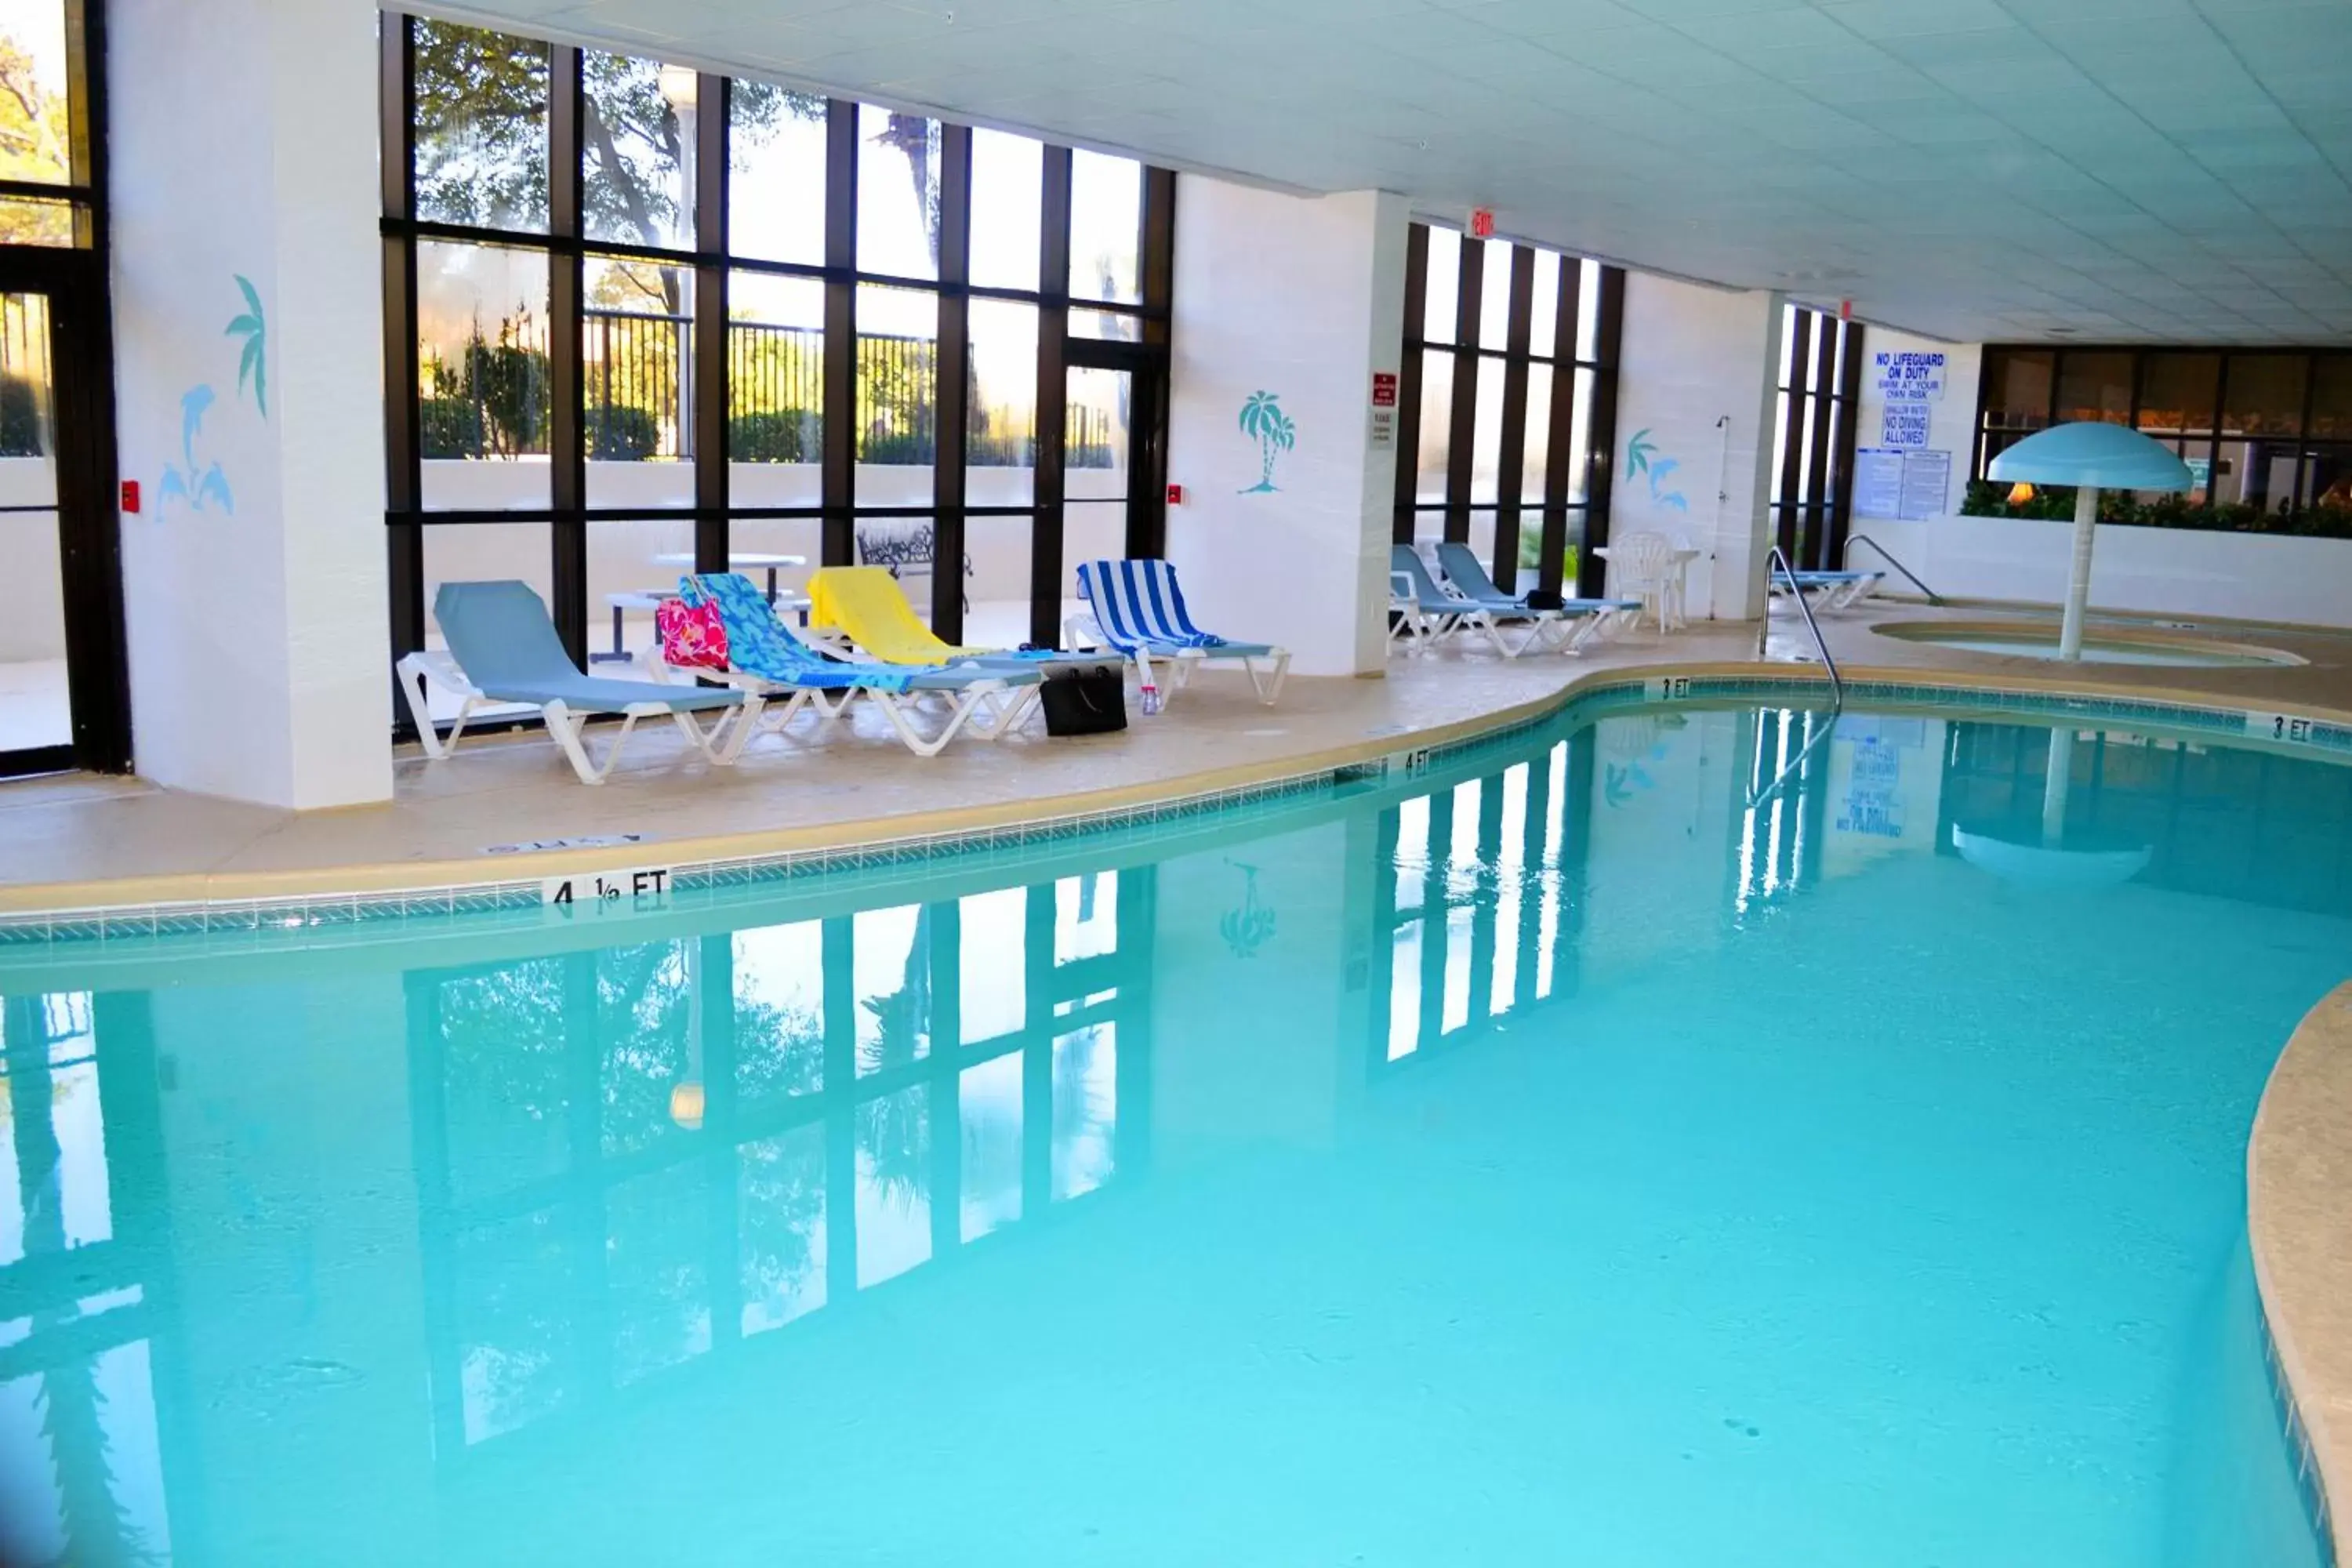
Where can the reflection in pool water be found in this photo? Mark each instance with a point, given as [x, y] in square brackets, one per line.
[1545, 1160]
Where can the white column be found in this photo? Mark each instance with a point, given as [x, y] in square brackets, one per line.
[2078, 576]
[1698, 380]
[244, 145]
[1301, 298]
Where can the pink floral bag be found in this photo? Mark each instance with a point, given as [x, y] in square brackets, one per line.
[692, 635]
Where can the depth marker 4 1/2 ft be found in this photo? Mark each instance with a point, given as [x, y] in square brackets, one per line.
[604, 892]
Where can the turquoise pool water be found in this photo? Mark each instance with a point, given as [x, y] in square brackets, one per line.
[1546, 1158]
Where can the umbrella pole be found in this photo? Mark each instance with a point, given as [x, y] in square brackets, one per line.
[2055, 781]
[2078, 582]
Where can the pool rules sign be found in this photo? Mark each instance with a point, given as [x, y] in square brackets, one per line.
[1909, 383]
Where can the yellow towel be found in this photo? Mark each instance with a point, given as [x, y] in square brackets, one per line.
[865, 604]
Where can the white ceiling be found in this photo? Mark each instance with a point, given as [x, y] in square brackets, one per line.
[2104, 169]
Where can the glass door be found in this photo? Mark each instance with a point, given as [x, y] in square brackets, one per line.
[1114, 506]
[62, 700]
[36, 702]
[1095, 470]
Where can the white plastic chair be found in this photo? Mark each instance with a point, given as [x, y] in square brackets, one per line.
[1647, 571]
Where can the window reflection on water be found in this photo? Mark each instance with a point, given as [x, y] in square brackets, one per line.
[654, 1151]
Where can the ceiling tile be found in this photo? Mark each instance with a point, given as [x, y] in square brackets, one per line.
[2178, 167]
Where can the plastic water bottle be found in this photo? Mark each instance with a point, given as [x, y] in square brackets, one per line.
[1150, 698]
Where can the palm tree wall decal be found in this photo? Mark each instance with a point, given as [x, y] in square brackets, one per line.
[252, 363]
[1264, 421]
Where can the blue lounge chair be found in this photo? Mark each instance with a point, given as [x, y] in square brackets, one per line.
[1136, 607]
[1590, 619]
[1424, 609]
[1836, 590]
[767, 658]
[503, 648]
[1418, 607]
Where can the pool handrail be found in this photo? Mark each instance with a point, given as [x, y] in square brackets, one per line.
[1888, 556]
[1774, 561]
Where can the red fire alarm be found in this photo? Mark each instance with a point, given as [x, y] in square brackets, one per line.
[1481, 223]
[130, 495]
[1175, 495]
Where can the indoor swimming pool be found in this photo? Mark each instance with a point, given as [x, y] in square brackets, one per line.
[1543, 1156]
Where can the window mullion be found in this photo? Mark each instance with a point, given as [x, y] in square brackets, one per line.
[1563, 462]
[1052, 399]
[1512, 457]
[840, 477]
[566, 291]
[713, 98]
[1600, 453]
[1462, 440]
[404, 459]
[951, 394]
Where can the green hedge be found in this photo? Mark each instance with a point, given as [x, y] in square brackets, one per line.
[2055, 503]
[620, 434]
[787, 436]
[20, 417]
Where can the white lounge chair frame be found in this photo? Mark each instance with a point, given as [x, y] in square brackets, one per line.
[566, 726]
[1510, 633]
[1084, 630]
[989, 709]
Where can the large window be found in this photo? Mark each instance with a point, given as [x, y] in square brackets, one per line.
[642, 319]
[1508, 399]
[1812, 437]
[2266, 432]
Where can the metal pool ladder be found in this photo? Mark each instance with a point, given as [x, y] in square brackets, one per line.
[1888, 556]
[1776, 563]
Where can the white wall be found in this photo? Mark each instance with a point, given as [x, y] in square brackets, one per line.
[257, 632]
[1697, 381]
[2160, 571]
[1303, 298]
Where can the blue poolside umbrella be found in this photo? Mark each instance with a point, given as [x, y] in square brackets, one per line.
[2091, 457]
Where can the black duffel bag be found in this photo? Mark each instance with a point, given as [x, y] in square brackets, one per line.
[1085, 699]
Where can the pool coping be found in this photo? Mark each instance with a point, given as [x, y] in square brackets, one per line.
[37, 913]
[2299, 1227]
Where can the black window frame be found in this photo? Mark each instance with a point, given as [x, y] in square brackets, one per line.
[2311, 450]
[570, 513]
[1818, 403]
[1518, 356]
